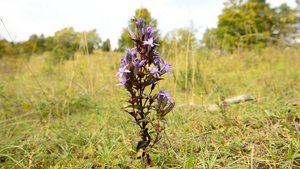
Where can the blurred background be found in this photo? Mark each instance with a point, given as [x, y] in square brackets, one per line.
[106, 21]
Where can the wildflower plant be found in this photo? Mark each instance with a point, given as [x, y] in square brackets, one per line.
[140, 71]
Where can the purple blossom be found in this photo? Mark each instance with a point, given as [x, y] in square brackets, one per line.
[154, 70]
[169, 108]
[156, 61]
[166, 94]
[129, 58]
[131, 34]
[122, 80]
[139, 25]
[149, 33]
[122, 70]
[155, 53]
[134, 52]
[164, 103]
[165, 67]
[123, 61]
[137, 66]
[150, 42]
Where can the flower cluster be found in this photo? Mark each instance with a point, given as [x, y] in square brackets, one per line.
[145, 43]
[142, 67]
[165, 103]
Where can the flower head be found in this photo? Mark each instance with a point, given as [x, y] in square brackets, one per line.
[149, 33]
[165, 94]
[137, 65]
[150, 42]
[122, 80]
[122, 70]
[164, 102]
[132, 36]
[123, 61]
[139, 25]
[165, 67]
[154, 70]
[156, 61]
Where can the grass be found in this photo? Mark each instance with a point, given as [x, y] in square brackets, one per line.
[79, 122]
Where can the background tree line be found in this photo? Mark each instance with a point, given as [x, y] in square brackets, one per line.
[61, 46]
[254, 24]
[246, 24]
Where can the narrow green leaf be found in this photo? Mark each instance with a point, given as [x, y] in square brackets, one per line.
[285, 125]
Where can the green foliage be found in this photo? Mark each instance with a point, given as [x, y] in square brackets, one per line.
[125, 41]
[22, 49]
[106, 46]
[49, 43]
[284, 18]
[239, 23]
[59, 54]
[251, 24]
[189, 76]
[39, 43]
[91, 41]
[179, 40]
[65, 38]
[65, 45]
[210, 39]
[2, 48]
[61, 47]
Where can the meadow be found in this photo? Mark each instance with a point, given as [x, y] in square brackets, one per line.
[69, 115]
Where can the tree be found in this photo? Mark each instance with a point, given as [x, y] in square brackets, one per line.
[49, 43]
[179, 38]
[210, 40]
[249, 24]
[106, 46]
[125, 41]
[241, 23]
[90, 39]
[39, 43]
[65, 38]
[65, 45]
[284, 20]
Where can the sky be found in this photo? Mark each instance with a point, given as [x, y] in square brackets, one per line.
[23, 18]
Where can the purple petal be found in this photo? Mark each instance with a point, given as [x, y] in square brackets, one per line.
[131, 34]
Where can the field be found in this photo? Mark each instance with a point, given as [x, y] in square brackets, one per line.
[69, 115]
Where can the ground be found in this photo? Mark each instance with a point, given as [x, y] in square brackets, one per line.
[70, 114]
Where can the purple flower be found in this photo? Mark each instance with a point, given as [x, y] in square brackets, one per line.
[123, 61]
[155, 53]
[154, 70]
[149, 33]
[131, 34]
[136, 59]
[166, 94]
[122, 70]
[165, 67]
[164, 103]
[134, 52]
[169, 108]
[150, 42]
[139, 25]
[130, 56]
[137, 66]
[122, 80]
[156, 61]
